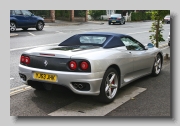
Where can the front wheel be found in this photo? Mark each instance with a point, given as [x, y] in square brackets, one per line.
[109, 86]
[157, 66]
[39, 25]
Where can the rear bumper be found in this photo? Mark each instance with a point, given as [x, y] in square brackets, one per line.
[66, 78]
[115, 21]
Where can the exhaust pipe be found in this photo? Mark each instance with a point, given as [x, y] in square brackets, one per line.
[80, 86]
[75, 85]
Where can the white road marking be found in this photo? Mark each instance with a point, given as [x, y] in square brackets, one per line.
[59, 32]
[32, 47]
[137, 32]
[165, 48]
[11, 78]
[31, 34]
[20, 90]
[86, 107]
[22, 86]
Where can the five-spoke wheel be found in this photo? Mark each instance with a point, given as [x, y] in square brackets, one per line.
[157, 66]
[109, 86]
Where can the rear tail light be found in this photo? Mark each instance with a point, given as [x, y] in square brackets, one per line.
[22, 59]
[119, 18]
[109, 18]
[25, 60]
[84, 65]
[72, 65]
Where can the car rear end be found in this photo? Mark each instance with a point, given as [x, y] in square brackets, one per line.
[53, 68]
[167, 19]
[116, 18]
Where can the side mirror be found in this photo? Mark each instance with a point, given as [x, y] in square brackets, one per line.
[150, 45]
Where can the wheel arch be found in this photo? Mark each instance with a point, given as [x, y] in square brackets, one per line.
[14, 22]
[39, 21]
[161, 55]
[116, 67]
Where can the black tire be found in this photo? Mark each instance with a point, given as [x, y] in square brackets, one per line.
[108, 88]
[124, 22]
[157, 66]
[25, 29]
[39, 25]
[109, 23]
[120, 23]
[12, 26]
[168, 43]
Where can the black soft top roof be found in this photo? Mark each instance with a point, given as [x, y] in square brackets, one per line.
[113, 39]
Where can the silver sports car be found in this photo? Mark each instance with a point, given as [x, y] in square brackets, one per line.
[93, 63]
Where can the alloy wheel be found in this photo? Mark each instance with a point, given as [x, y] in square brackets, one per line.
[111, 85]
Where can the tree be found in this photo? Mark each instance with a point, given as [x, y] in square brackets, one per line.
[157, 26]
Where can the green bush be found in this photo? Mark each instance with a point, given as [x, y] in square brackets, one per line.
[95, 14]
[62, 13]
[42, 13]
[139, 16]
[79, 13]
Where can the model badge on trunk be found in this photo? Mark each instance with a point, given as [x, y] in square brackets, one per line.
[45, 63]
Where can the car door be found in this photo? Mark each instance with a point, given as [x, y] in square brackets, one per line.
[142, 58]
[31, 20]
[21, 21]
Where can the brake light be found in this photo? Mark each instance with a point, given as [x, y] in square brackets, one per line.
[109, 18]
[72, 65]
[84, 65]
[22, 59]
[25, 60]
[119, 18]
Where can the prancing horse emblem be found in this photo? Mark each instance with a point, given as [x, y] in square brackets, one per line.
[45, 63]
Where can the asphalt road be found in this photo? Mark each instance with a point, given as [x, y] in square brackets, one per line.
[151, 95]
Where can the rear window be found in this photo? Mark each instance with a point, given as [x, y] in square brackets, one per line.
[92, 39]
[116, 15]
[167, 16]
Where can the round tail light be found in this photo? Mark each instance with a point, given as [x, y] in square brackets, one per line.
[22, 59]
[72, 65]
[84, 65]
[27, 60]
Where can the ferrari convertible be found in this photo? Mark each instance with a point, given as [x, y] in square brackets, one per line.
[93, 63]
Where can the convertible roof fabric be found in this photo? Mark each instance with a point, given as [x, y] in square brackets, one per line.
[112, 39]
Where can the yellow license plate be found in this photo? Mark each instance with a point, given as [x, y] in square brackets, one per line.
[45, 76]
[113, 21]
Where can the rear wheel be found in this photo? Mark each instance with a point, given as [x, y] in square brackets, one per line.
[12, 26]
[157, 66]
[109, 86]
[109, 23]
[39, 25]
[124, 22]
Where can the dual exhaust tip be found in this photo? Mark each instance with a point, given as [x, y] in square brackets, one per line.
[78, 86]
[82, 86]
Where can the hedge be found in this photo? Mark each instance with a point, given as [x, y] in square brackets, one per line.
[139, 16]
